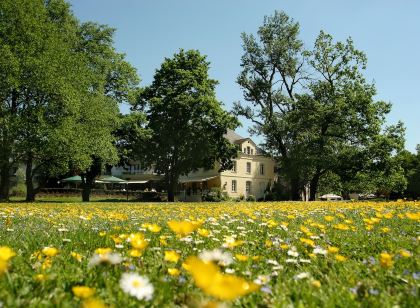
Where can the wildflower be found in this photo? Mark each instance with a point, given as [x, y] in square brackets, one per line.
[385, 260]
[106, 258]
[301, 276]
[83, 291]
[405, 253]
[76, 256]
[316, 284]
[173, 271]
[284, 246]
[203, 232]
[3, 266]
[152, 227]
[293, 253]
[332, 249]
[93, 303]
[137, 286]
[241, 258]
[320, 251]
[218, 256]
[183, 228]
[308, 242]
[137, 241]
[329, 218]
[340, 258]
[171, 256]
[222, 286]
[40, 277]
[50, 251]
[231, 242]
[162, 240]
[6, 253]
[135, 253]
[343, 227]
[102, 251]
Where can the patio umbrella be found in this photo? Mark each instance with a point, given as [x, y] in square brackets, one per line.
[110, 180]
[72, 179]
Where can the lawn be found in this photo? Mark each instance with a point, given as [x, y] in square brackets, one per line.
[275, 254]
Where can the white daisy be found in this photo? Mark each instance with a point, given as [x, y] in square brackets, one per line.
[137, 286]
[217, 255]
[105, 258]
[301, 276]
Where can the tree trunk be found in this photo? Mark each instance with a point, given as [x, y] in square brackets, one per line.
[4, 182]
[30, 190]
[314, 186]
[86, 193]
[295, 190]
[171, 185]
[87, 183]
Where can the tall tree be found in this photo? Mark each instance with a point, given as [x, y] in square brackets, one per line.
[314, 108]
[61, 85]
[114, 82]
[39, 85]
[186, 121]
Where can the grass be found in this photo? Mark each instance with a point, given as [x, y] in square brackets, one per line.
[266, 236]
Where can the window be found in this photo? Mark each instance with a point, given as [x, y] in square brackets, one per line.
[262, 169]
[248, 150]
[233, 185]
[248, 167]
[234, 166]
[252, 151]
[248, 187]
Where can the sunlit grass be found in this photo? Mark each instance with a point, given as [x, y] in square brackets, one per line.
[268, 254]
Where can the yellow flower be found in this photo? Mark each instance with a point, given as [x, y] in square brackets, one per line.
[284, 246]
[77, 256]
[171, 256]
[385, 230]
[214, 283]
[316, 284]
[173, 271]
[135, 253]
[50, 251]
[405, 253]
[103, 251]
[137, 241]
[6, 253]
[340, 258]
[341, 227]
[307, 242]
[241, 258]
[152, 227]
[162, 240]
[93, 303]
[3, 266]
[329, 218]
[332, 249]
[83, 291]
[40, 277]
[183, 228]
[203, 232]
[268, 243]
[102, 233]
[385, 260]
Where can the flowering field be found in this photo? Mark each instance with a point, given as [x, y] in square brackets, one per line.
[209, 255]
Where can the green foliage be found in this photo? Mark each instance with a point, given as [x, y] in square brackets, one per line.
[314, 107]
[186, 121]
[59, 91]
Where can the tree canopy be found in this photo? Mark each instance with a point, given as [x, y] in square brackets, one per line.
[186, 121]
[314, 107]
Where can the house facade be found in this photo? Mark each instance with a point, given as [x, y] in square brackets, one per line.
[253, 173]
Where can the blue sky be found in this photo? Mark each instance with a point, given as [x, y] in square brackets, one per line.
[388, 31]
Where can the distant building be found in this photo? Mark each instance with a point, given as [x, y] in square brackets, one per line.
[252, 174]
